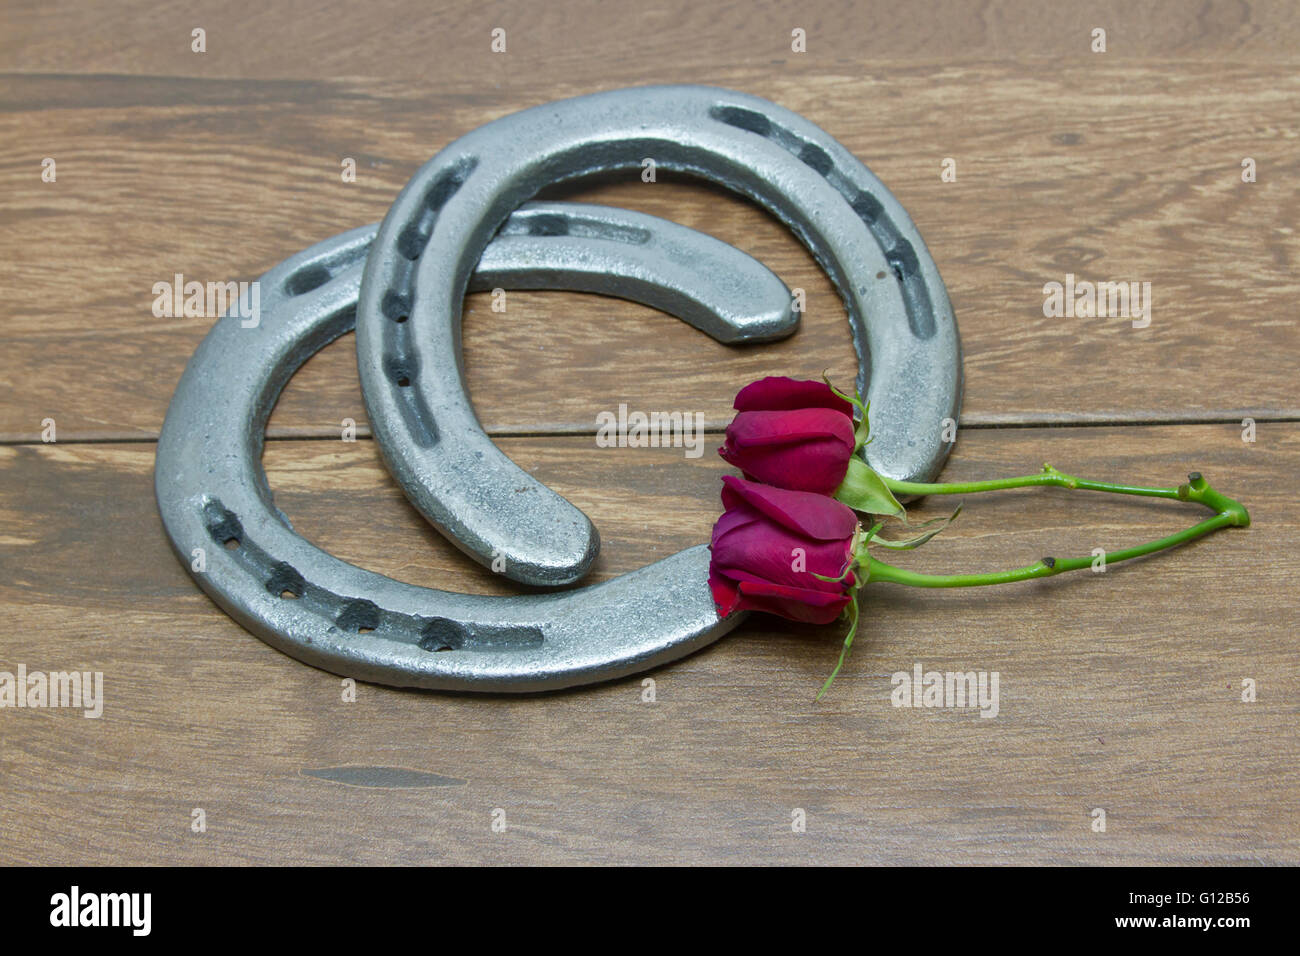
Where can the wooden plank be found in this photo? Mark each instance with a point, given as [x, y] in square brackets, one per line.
[1111, 167]
[1120, 691]
[449, 42]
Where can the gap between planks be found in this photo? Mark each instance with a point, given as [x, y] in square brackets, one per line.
[566, 431]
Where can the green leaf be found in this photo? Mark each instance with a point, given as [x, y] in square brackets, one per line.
[844, 651]
[861, 434]
[837, 580]
[864, 490]
[920, 539]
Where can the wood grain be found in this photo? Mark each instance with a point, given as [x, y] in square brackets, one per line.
[1110, 168]
[445, 42]
[1119, 691]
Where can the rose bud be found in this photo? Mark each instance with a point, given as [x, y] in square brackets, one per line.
[806, 449]
[769, 546]
[791, 434]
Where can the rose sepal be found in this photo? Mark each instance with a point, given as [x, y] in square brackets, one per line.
[865, 491]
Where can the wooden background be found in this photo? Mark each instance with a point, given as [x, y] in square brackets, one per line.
[1119, 691]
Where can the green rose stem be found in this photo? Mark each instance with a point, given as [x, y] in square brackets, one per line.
[1227, 513]
[1234, 515]
[1048, 476]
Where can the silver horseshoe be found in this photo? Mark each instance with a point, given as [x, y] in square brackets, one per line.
[408, 315]
[518, 529]
[219, 513]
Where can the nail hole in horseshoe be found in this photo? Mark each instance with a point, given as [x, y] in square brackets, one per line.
[285, 581]
[902, 258]
[400, 371]
[441, 634]
[412, 241]
[306, 279]
[396, 305]
[867, 208]
[222, 524]
[360, 615]
[742, 118]
[445, 186]
[817, 158]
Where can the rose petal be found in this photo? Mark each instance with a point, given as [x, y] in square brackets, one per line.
[795, 604]
[750, 429]
[804, 450]
[817, 516]
[726, 593]
[733, 519]
[776, 392]
[761, 550]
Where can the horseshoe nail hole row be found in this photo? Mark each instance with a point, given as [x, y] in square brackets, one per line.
[360, 615]
[415, 234]
[899, 254]
[396, 303]
[401, 360]
[546, 224]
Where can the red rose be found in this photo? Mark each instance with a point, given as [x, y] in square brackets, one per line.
[770, 544]
[791, 434]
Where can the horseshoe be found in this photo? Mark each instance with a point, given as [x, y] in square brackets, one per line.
[409, 311]
[219, 513]
[522, 528]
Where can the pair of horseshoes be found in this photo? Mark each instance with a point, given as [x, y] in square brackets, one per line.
[461, 221]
